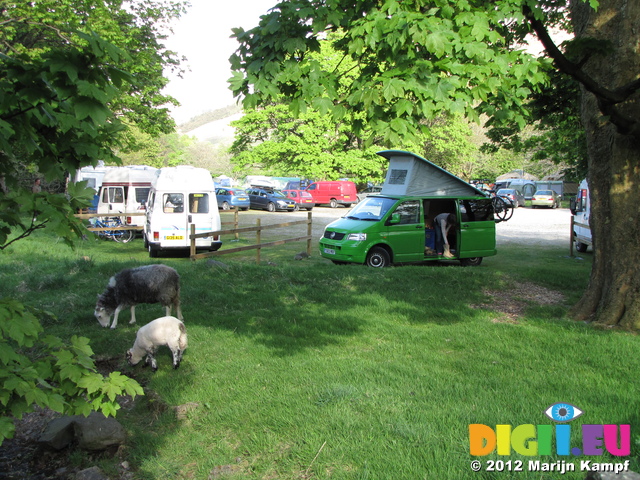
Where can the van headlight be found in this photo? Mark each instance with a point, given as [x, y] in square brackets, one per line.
[358, 237]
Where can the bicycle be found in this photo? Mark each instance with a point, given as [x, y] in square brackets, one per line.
[503, 208]
[111, 232]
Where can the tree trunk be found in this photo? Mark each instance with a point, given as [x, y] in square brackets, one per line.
[613, 294]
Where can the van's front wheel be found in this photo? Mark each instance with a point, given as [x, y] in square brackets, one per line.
[378, 258]
[333, 203]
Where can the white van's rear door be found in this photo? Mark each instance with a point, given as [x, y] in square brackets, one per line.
[173, 227]
[201, 215]
[112, 200]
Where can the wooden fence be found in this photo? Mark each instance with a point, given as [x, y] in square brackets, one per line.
[85, 216]
[259, 228]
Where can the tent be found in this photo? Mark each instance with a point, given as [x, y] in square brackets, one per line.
[410, 174]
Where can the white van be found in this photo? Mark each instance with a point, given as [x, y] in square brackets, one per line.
[180, 197]
[125, 190]
[581, 210]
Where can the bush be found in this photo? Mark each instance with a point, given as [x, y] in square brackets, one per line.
[44, 371]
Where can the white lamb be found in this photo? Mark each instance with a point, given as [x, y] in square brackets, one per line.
[167, 331]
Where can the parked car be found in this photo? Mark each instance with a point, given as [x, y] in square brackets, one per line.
[362, 194]
[270, 199]
[513, 195]
[232, 197]
[302, 198]
[545, 198]
[341, 192]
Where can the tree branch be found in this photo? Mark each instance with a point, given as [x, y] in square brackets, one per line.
[607, 99]
[25, 233]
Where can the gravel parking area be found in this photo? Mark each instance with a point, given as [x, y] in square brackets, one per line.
[541, 226]
[528, 226]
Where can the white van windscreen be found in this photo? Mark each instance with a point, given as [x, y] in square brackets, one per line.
[173, 203]
[198, 203]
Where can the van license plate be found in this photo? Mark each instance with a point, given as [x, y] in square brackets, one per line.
[329, 251]
[174, 237]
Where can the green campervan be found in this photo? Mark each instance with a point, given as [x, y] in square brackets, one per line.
[397, 225]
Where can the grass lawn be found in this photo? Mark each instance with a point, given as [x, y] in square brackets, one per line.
[305, 369]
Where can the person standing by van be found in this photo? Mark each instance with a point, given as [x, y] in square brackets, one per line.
[443, 223]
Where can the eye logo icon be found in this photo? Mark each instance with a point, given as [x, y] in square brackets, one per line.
[563, 412]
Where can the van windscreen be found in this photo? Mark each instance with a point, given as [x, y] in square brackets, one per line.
[371, 208]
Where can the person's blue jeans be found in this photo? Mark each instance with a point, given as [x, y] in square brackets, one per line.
[439, 240]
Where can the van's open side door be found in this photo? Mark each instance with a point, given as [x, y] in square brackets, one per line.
[477, 228]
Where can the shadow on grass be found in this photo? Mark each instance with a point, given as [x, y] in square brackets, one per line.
[292, 308]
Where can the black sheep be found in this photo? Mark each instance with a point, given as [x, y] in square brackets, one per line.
[129, 287]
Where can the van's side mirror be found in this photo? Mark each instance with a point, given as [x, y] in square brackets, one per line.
[395, 219]
[572, 206]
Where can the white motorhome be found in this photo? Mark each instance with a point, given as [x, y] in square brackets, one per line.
[92, 175]
[581, 210]
[125, 190]
[180, 197]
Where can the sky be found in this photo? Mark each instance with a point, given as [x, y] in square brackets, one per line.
[202, 35]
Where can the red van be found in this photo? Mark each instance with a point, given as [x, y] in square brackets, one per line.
[334, 193]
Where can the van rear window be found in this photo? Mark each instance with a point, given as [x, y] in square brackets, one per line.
[142, 193]
[198, 203]
[173, 203]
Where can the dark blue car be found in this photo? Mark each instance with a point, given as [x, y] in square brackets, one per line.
[269, 199]
[229, 197]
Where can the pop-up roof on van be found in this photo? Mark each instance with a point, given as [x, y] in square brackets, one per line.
[410, 174]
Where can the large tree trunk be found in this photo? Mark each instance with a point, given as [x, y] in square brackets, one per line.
[613, 294]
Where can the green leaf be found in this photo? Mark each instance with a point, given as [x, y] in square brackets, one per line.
[57, 403]
[91, 382]
[437, 42]
[323, 105]
[7, 428]
[86, 107]
[109, 409]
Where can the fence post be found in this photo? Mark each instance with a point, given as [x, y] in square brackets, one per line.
[235, 222]
[309, 230]
[571, 237]
[258, 241]
[192, 251]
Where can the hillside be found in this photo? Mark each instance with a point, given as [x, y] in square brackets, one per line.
[213, 126]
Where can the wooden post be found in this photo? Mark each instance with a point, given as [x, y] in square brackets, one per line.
[258, 241]
[571, 237]
[235, 221]
[309, 231]
[193, 240]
